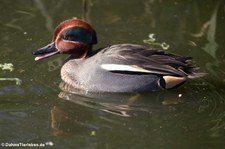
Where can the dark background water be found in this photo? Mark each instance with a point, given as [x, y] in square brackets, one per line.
[36, 111]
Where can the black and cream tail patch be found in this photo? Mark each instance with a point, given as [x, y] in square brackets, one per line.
[168, 82]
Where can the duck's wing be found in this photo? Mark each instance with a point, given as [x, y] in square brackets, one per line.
[139, 60]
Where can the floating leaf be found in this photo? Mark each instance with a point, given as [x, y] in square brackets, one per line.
[165, 46]
[93, 133]
[152, 39]
[7, 66]
[17, 80]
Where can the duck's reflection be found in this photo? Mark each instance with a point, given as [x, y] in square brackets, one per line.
[93, 111]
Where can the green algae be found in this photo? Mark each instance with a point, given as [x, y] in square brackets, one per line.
[152, 41]
[9, 66]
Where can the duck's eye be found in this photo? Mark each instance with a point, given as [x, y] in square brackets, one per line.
[77, 35]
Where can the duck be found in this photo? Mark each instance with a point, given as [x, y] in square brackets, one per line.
[116, 68]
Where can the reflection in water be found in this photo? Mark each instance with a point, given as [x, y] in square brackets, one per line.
[87, 10]
[212, 46]
[209, 29]
[110, 108]
[163, 116]
[117, 102]
[45, 14]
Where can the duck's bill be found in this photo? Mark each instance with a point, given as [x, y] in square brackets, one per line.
[45, 52]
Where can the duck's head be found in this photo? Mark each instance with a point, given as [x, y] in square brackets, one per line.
[74, 37]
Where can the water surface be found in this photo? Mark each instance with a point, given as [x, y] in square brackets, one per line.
[38, 111]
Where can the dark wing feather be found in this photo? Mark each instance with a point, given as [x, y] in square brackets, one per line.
[157, 61]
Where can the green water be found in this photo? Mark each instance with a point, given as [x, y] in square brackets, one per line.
[37, 111]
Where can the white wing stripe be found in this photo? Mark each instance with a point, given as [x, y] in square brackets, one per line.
[119, 67]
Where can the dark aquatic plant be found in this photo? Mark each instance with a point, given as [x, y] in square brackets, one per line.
[208, 30]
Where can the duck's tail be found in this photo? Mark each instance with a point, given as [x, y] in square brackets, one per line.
[196, 75]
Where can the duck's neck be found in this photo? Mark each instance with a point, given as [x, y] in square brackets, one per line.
[82, 53]
[90, 51]
[72, 58]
